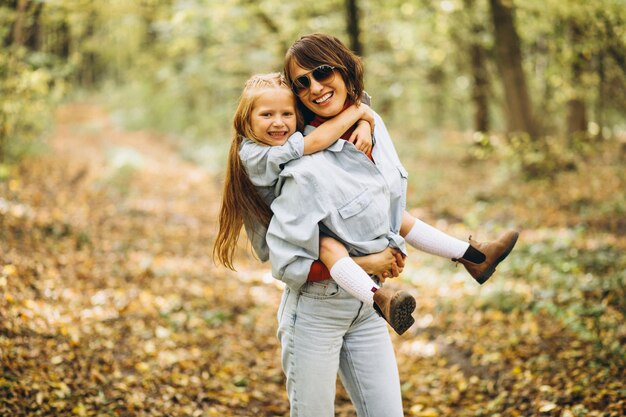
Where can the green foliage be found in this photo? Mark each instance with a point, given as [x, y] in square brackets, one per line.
[568, 266]
[32, 82]
[27, 93]
[583, 288]
[536, 159]
[186, 80]
[178, 66]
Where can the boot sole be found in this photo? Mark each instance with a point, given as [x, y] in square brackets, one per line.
[402, 306]
[489, 272]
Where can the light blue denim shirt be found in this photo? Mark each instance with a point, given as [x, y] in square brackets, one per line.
[341, 193]
[263, 163]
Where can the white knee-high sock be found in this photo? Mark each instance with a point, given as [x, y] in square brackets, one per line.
[352, 278]
[430, 240]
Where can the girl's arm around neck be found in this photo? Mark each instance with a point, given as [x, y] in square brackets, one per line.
[328, 132]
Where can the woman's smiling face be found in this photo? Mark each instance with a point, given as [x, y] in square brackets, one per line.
[326, 98]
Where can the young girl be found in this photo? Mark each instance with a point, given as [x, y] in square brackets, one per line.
[265, 137]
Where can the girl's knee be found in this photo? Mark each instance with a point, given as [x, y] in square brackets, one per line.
[329, 244]
[331, 250]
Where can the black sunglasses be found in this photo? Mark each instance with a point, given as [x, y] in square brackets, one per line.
[321, 74]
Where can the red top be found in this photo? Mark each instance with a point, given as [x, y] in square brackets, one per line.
[319, 271]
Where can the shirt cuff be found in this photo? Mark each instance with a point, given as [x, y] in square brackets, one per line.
[297, 142]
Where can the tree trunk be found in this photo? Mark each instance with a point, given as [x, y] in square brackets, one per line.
[480, 88]
[474, 26]
[599, 110]
[576, 106]
[88, 70]
[576, 117]
[354, 31]
[509, 59]
[33, 38]
[63, 40]
[271, 24]
[616, 46]
[19, 26]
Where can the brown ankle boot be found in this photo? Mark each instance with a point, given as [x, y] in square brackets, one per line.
[395, 307]
[494, 252]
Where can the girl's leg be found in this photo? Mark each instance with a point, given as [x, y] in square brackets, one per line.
[346, 272]
[368, 368]
[394, 306]
[480, 259]
[430, 240]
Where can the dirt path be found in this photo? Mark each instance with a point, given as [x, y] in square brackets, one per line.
[112, 302]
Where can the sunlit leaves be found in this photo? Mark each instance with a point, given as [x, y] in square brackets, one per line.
[138, 320]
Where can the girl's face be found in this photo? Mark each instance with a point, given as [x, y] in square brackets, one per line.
[324, 98]
[273, 117]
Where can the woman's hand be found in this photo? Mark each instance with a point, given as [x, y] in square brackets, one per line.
[386, 264]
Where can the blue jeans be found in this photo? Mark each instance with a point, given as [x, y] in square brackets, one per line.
[324, 330]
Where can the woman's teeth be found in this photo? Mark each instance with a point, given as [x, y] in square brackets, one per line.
[323, 98]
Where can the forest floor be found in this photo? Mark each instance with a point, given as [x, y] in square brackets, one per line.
[110, 304]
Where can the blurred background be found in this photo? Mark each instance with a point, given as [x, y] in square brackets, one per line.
[538, 68]
[115, 120]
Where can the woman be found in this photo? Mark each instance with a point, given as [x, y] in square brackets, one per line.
[341, 193]
[338, 192]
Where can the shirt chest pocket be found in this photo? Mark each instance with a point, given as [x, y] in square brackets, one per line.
[404, 176]
[364, 218]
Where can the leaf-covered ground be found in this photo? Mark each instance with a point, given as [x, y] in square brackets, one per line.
[111, 305]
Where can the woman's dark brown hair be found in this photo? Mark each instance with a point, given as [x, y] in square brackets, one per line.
[311, 51]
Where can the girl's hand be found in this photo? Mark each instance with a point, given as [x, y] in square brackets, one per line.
[362, 137]
[382, 264]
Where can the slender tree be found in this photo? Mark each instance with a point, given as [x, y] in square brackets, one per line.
[576, 106]
[509, 60]
[19, 25]
[353, 26]
[480, 76]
